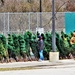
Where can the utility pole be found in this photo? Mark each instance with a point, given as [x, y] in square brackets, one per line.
[40, 14]
[53, 27]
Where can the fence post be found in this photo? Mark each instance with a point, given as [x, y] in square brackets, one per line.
[37, 20]
[4, 24]
[29, 20]
[8, 22]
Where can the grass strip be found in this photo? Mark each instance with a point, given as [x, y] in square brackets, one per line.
[18, 68]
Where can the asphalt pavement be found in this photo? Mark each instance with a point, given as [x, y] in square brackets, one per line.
[40, 64]
[62, 67]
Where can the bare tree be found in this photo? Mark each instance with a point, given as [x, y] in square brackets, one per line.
[29, 1]
[70, 6]
[2, 2]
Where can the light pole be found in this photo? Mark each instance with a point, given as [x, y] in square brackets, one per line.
[53, 27]
[40, 14]
[53, 56]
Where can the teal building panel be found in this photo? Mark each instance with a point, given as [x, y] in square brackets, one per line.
[69, 22]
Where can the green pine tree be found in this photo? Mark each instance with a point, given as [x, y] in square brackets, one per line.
[22, 45]
[16, 44]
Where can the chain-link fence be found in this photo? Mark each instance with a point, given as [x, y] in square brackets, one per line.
[20, 22]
